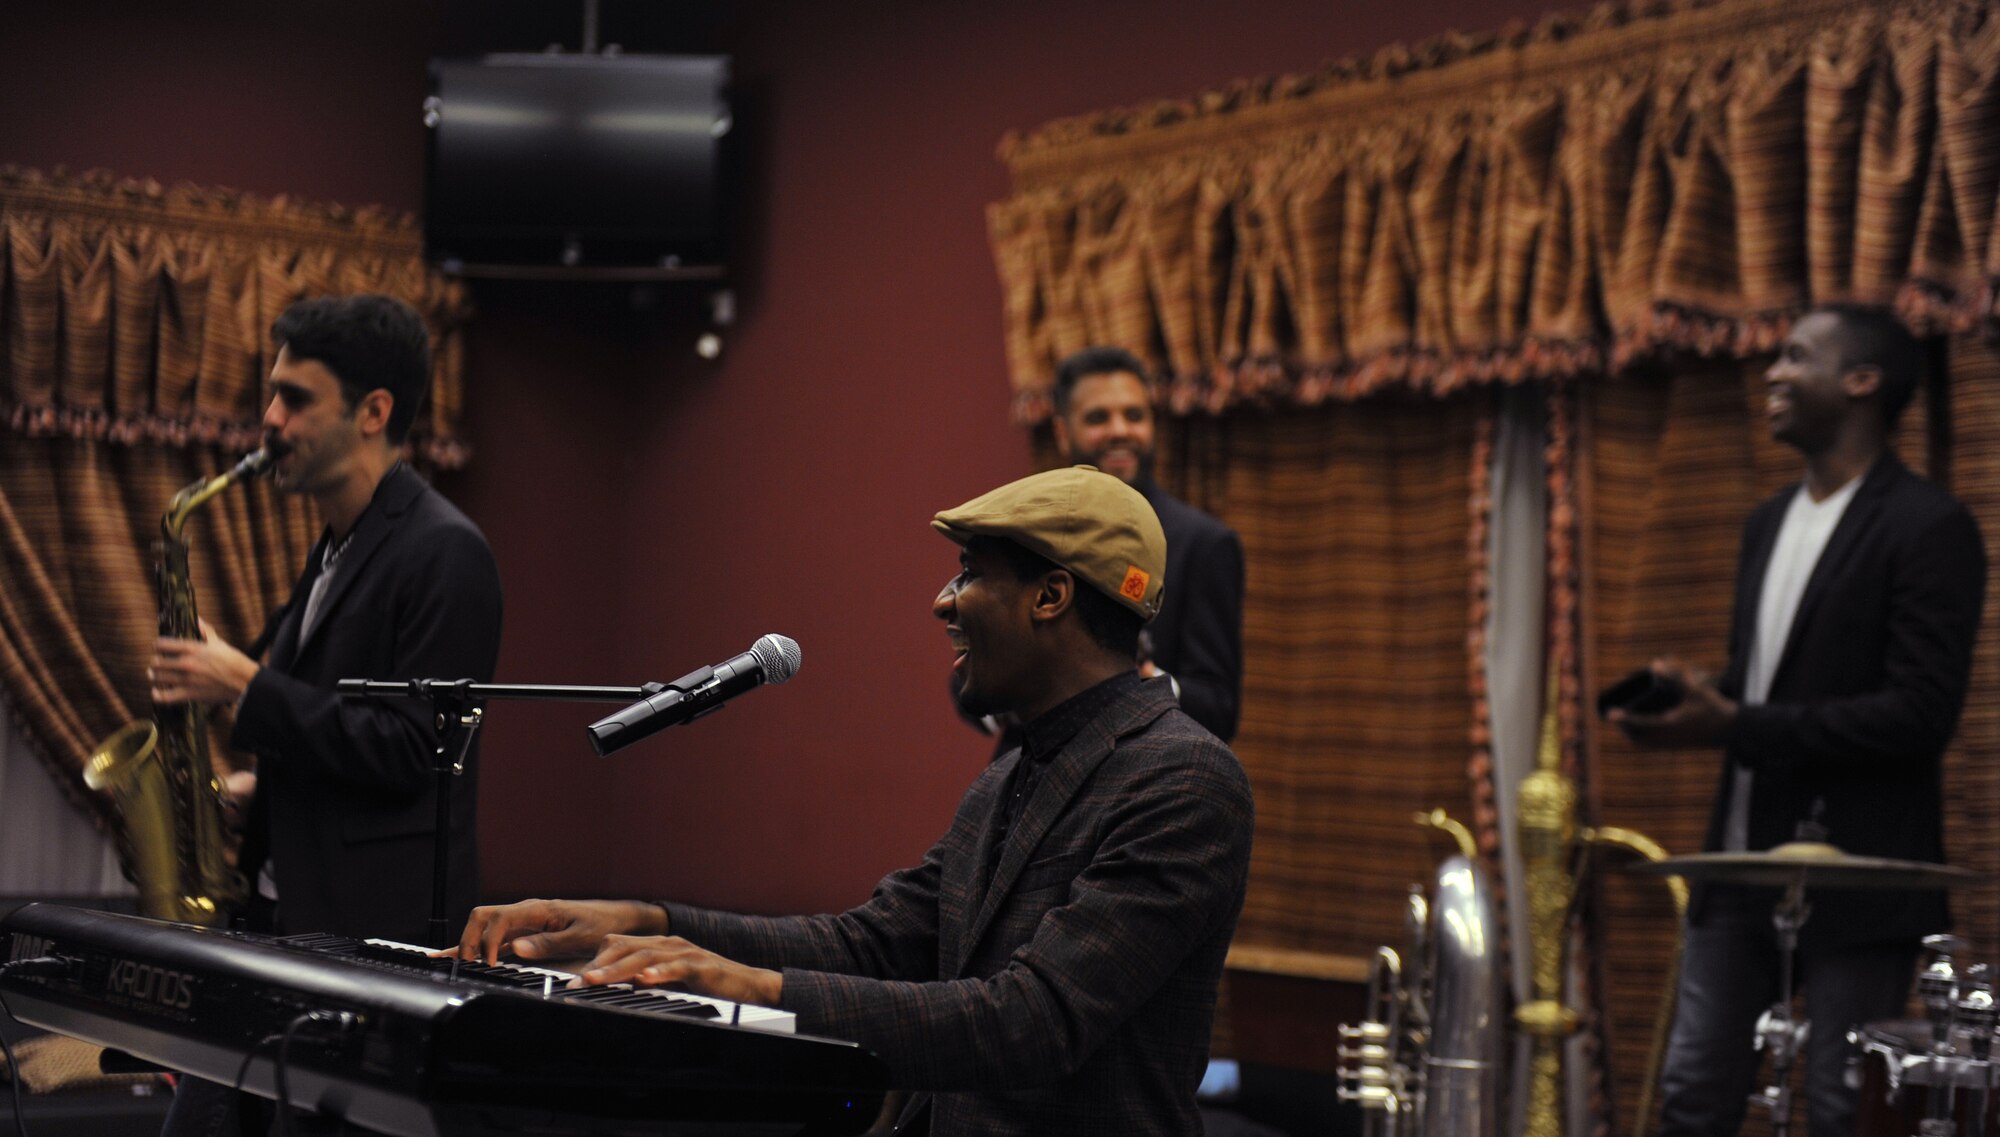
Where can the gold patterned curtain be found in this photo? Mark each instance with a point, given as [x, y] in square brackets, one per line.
[1355, 715]
[1546, 203]
[134, 338]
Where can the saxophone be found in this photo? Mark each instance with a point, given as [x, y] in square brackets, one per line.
[169, 803]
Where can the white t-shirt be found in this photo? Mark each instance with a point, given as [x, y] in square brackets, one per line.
[1802, 537]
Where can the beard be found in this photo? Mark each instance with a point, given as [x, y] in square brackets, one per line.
[1142, 469]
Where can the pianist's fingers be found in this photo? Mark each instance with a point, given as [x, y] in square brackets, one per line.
[652, 961]
[551, 929]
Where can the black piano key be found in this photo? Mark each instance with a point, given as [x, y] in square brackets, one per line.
[513, 977]
[597, 994]
[401, 959]
[689, 1008]
[634, 999]
[618, 995]
[325, 943]
[652, 1002]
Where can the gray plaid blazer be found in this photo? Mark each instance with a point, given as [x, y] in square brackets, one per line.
[1073, 992]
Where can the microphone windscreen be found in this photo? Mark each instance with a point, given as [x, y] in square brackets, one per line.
[778, 655]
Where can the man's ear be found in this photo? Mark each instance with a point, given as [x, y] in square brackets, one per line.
[372, 413]
[1055, 595]
[1060, 429]
[1862, 382]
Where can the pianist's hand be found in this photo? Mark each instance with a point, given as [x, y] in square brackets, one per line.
[651, 961]
[554, 929]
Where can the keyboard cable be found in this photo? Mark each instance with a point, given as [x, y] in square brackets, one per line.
[341, 1021]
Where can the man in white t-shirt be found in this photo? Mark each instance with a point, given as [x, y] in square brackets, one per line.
[1858, 596]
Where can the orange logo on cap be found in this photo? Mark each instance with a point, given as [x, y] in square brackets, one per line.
[1134, 587]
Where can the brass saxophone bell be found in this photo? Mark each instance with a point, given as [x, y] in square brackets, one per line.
[112, 763]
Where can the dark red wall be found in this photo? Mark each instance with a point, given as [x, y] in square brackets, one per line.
[653, 511]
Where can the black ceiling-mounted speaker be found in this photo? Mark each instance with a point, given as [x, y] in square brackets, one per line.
[577, 166]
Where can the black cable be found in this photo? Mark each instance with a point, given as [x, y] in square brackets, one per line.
[278, 1072]
[243, 1071]
[40, 965]
[339, 1020]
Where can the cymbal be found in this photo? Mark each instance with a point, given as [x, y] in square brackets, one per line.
[1810, 863]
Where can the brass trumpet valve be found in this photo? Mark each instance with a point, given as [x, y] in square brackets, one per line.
[1368, 1073]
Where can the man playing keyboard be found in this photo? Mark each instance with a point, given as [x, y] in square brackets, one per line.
[1051, 965]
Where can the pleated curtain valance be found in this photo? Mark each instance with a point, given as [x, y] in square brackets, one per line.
[132, 312]
[1545, 202]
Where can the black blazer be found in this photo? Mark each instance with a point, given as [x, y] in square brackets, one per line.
[1865, 698]
[1198, 635]
[1068, 988]
[346, 802]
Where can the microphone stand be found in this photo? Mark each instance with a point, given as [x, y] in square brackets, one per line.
[457, 712]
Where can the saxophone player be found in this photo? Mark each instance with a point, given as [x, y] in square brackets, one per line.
[399, 585]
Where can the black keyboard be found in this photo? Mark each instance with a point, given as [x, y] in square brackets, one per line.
[403, 1044]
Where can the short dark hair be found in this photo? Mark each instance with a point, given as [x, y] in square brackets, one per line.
[368, 341]
[1088, 362]
[1112, 626]
[1873, 336]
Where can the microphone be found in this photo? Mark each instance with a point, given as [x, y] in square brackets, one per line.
[772, 659]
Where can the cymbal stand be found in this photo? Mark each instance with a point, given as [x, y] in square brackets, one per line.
[1778, 1031]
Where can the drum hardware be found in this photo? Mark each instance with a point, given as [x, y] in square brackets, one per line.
[1976, 1013]
[1937, 987]
[1936, 1077]
[1797, 865]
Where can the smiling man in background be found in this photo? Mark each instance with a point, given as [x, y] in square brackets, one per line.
[1104, 418]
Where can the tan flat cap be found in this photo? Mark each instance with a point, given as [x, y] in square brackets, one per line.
[1083, 519]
